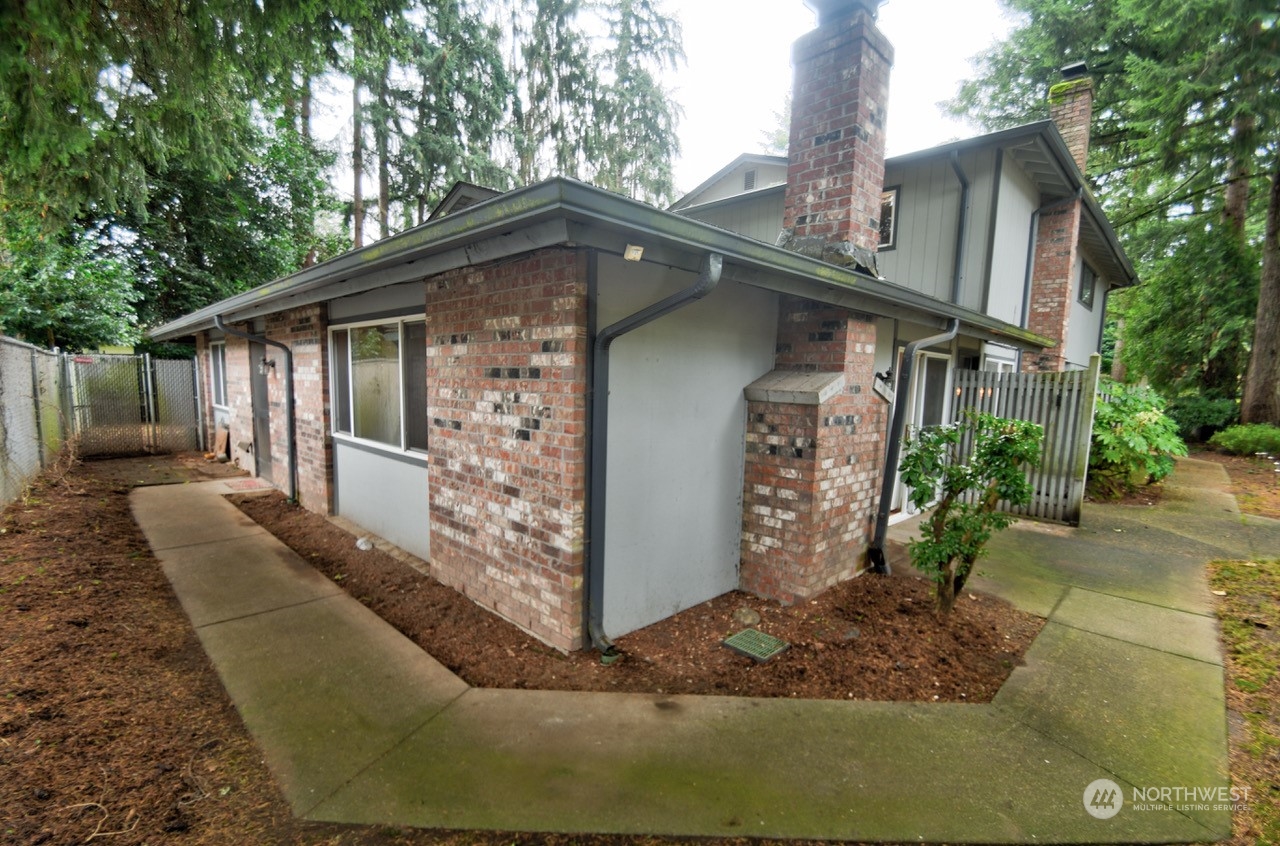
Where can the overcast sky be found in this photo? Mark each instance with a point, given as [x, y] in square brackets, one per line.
[739, 71]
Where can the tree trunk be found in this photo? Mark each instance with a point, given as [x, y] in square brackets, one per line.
[357, 165]
[304, 129]
[1262, 385]
[381, 130]
[1118, 370]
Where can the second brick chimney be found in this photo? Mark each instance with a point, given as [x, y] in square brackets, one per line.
[838, 105]
[1071, 108]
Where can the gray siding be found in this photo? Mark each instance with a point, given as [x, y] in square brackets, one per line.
[386, 495]
[733, 182]
[676, 439]
[1084, 329]
[758, 216]
[923, 256]
[1019, 198]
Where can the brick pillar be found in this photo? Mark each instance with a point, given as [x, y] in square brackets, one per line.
[506, 381]
[838, 106]
[305, 331]
[813, 455]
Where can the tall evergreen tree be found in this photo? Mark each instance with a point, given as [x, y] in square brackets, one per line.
[1186, 155]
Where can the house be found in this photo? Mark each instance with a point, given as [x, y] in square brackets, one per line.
[588, 413]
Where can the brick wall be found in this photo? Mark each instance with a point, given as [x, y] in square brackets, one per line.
[304, 330]
[506, 371]
[239, 400]
[838, 106]
[812, 472]
[1056, 259]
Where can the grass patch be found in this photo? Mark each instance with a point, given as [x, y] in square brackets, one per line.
[1249, 611]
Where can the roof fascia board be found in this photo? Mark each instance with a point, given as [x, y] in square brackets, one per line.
[464, 231]
[541, 235]
[972, 323]
[512, 224]
[736, 198]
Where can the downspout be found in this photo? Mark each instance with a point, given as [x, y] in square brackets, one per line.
[288, 394]
[962, 242]
[593, 591]
[875, 552]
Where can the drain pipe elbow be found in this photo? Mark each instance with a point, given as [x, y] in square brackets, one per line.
[593, 590]
[291, 424]
[875, 552]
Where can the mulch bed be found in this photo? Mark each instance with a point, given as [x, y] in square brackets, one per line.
[869, 638]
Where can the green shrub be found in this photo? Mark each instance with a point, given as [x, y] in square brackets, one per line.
[1248, 439]
[967, 493]
[1200, 417]
[1134, 441]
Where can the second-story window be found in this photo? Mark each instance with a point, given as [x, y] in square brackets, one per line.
[888, 218]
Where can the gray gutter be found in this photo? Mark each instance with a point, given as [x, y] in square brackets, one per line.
[593, 591]
[530, 218]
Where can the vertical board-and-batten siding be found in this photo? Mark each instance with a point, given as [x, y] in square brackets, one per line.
[1063, 403]
[923, 257]
[758, 216]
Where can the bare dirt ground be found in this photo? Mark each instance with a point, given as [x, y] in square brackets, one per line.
[114, 727]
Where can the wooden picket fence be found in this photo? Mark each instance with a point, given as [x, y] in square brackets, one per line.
[1063, 403]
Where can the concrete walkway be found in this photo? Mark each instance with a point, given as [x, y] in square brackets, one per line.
[1125, 683]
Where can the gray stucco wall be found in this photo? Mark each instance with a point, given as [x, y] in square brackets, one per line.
[676, 438]
[384, 494]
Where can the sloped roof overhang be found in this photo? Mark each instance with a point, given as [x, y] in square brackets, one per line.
[565, 212]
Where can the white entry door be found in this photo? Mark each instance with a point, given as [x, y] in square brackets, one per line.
[928, 406]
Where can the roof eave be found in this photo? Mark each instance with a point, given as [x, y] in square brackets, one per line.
[596, 218]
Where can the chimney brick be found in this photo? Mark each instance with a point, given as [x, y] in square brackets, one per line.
[1071, 108]
[838, 106]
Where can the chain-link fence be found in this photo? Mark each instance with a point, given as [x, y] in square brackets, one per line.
[101, 404]
[33, 422]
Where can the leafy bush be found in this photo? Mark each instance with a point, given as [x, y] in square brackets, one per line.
[1134, 441]
[965, 516]
[1248, 439]
[1200, 417]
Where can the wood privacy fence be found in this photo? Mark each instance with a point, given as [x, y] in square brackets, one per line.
[1063, 403]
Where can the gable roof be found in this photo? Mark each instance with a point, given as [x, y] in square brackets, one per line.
[565, 212]
[691, 198]
[1038, 148]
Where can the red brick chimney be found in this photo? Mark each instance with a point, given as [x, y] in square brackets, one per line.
[1071, 108]
[838, 102]
[1057, 253]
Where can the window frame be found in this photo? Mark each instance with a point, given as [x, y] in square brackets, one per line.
[891, 196]
[337, 412]
[218, 375]
[1087, 271]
